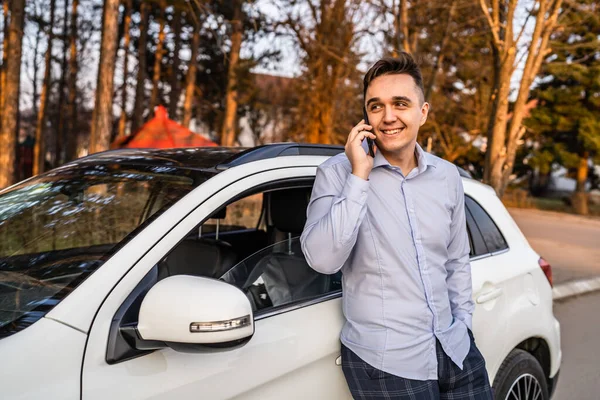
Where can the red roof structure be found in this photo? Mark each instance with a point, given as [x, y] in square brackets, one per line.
[161, 133]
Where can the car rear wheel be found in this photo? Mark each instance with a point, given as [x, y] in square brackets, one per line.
[520, 377]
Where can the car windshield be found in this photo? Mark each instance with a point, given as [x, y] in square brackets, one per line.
[58, 228]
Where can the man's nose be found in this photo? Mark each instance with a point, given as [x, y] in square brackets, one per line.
[389, 115]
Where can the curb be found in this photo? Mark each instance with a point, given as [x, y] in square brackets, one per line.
[575, 288]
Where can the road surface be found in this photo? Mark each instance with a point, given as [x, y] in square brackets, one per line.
[580, 329]
[570, 243]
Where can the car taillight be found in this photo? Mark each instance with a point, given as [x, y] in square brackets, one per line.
[545, 266]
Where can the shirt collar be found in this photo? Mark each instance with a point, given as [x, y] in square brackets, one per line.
[423, 161]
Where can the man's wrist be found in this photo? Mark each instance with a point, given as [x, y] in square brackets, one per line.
[364, 175]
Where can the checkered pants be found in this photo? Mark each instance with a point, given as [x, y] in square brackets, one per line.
[369, 383]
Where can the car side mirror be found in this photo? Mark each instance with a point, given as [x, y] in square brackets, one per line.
[189, 313]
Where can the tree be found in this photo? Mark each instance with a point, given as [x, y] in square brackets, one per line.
[39, 151]
[158, 56]
[102, 119]
[5, 10]
[209, 100]
[328, 90]
[140, 93]
[62, 107]
[190, 86]
[10, 110]
[504, 136]
[34, 67]
[567, 119]
[126, 41]
[72, 84]
[174, 83]
[228, 132]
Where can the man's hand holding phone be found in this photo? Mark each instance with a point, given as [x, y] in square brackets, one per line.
[361, 162]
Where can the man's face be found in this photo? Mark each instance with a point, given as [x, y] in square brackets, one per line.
[395, 111]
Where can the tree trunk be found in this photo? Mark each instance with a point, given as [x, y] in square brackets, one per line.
[5, 9]
[10, 111]
[401, 29]
[175, 87]
[102, 121]
[138, 108]
[36, 68]
[126, 41]
[496, 148]
[60, 131]
[580, 197]
[71, 152]
[158, 56]
[404, 18]
[190, 86]
[228, 133]
[39, 150]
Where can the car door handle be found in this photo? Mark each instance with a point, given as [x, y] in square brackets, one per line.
[489, 296]
[338, 361]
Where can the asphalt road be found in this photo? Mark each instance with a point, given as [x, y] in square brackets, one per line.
[580, 330]
[570, 243]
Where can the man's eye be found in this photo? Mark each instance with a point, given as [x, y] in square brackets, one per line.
[400, 104]
[375, 107]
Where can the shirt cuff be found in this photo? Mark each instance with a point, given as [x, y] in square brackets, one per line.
[467, 319]
[356, 189]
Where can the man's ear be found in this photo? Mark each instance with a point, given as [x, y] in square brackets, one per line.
[424, 113]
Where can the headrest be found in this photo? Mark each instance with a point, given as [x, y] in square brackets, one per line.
[200, 257]
[288, 209]
[220, 214]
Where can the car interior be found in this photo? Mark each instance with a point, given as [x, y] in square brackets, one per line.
[265, 261]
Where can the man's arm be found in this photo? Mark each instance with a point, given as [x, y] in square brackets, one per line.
[458, 280]
[337, 207]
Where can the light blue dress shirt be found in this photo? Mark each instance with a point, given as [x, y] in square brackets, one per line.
[402, 245]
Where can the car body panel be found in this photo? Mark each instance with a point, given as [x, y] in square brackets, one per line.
[42, 362]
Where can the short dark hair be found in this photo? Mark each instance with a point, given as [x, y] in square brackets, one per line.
[403, 64]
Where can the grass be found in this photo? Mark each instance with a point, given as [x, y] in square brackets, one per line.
[519, 198]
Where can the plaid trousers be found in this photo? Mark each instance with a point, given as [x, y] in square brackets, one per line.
[369, 383]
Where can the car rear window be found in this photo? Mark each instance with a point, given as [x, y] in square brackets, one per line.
[492, 237]
[478, 246]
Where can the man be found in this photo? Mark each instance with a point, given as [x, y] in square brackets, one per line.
[395, 226]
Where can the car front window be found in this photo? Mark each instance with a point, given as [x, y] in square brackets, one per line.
[58, 228]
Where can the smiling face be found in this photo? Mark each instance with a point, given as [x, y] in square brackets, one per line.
[396, 111]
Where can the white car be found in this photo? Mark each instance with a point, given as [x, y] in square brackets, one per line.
[177, 274]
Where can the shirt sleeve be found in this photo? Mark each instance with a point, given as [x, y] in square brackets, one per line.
[458, 280]
[337, 207]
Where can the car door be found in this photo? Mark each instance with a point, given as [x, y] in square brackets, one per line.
[294, 353]
[492, 266]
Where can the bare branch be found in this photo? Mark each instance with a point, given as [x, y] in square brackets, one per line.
[292, 24]
[548, 29]
[313, 11]
[493, 27]
[529, 14]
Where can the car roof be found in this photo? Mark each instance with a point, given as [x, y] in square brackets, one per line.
[188, 158]
[213, 158]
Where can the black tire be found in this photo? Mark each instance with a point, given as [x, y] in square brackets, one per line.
[519, 369]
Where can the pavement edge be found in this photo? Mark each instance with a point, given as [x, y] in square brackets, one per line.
[575, 288]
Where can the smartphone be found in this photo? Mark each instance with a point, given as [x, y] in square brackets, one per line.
[370, 142]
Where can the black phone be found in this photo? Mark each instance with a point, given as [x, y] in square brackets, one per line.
[370, 142]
